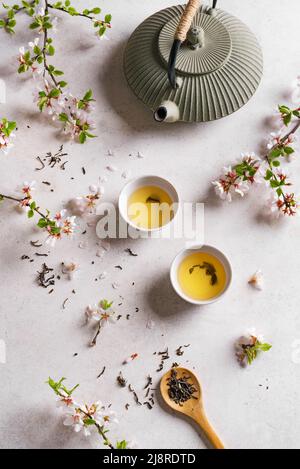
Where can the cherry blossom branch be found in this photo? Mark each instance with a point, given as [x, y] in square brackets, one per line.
[23, 202]
[239, 178]
[293, 131]
[100, 430]
[55, 227]
[88, 415]
[44, 50]
[83, 417]
[85, 14]
[282, 148]
[71, 112]
[103, 314]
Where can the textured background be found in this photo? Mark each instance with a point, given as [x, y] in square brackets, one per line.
[41, 338]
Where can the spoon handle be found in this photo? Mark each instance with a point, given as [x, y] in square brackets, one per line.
[207, 429]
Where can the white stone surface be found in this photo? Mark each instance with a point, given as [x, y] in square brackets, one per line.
[41, 337]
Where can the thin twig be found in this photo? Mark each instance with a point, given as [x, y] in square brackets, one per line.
[46, 66]
[94, 341]
[36, 209]
[92, 18]
[277, 145]
[102, 372]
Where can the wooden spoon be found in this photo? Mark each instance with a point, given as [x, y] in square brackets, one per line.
[193, 408]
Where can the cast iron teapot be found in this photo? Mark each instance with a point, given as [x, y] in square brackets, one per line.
[194, 63]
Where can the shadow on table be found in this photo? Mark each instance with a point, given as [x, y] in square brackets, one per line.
[129, 108]
[40, 430]
[164, 301]
[211, 199]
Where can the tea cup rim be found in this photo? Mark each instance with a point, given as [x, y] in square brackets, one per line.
[200, 247]
[165, 182]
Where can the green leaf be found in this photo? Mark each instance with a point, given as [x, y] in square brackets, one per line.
[88, 95]
[30, 213]
[51, 50]
[251, 354]
[42, 223]
[107, 18]
[284, 109]
[82, 137]
[288, 150]
[121, 444]
[57, 72]
[276, 163]
[23, 68]
[274, 183]
[42, 102]
[96, 10]
[269, 175]
[36, 50]
[72, 11]
[73, 389]
[105, 304]
[89, 421]
[55, 229]
[56, 386]
[263, 347]
[101, 31]
[34, 25]
[275, 153]
[10, 14]
[62, 84]
[27, 56]
[287, 119]
[11, 23]
[11, 126]
[54, 93]
[63, 117]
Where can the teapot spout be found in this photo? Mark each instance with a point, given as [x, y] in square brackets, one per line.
[167, 112]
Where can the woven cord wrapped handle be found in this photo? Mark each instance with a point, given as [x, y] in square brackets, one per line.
[187, 19]
[180, 36]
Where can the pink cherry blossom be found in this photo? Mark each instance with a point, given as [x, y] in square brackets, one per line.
[74, 419]
[275, 139]
[230, 183]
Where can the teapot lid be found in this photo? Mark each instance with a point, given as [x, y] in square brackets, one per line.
[205, 56]
[219, 67]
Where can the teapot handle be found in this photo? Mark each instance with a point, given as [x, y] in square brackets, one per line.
[186, 19]
[180, 36]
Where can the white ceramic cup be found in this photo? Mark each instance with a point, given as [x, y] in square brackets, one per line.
[143, 181]
[188, 251]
